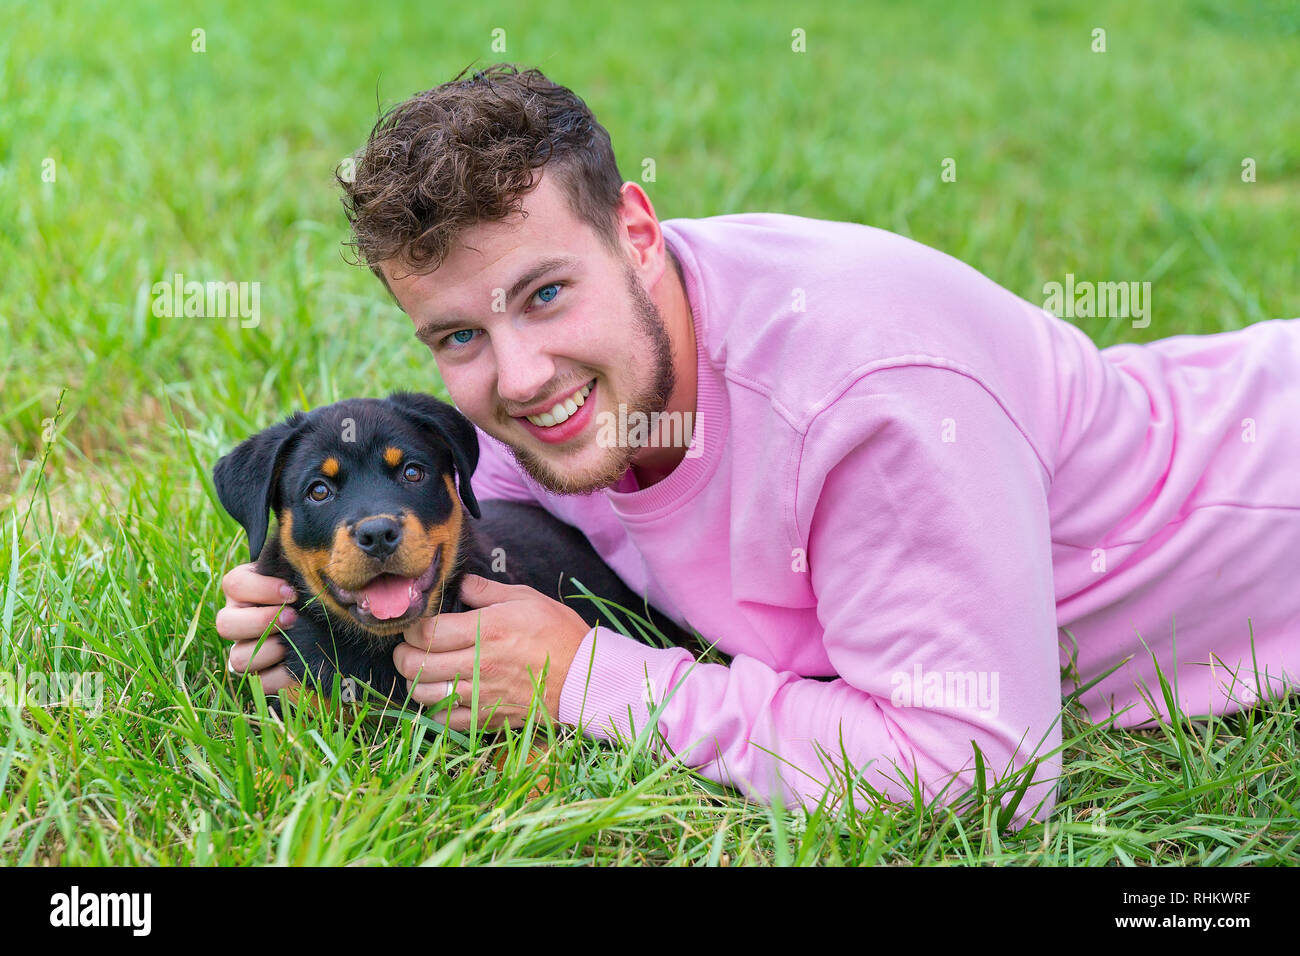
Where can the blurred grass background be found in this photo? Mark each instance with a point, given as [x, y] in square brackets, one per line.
[1122, 165]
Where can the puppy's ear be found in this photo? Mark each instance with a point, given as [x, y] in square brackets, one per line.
[246, 478]
[456, 430]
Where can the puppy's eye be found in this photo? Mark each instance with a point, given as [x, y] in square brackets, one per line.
[319, 491]
[413, 473]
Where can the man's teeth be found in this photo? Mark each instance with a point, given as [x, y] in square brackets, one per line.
[561, 411]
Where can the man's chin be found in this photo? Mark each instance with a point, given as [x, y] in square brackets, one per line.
[575, 481]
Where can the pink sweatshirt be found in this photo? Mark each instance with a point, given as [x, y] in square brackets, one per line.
[909, 479]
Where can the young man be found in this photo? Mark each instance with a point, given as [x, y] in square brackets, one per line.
[906, 498]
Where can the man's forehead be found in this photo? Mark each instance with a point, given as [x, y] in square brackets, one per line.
[492, 255]
[468, 264]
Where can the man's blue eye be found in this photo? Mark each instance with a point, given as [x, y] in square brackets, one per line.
[546, 293]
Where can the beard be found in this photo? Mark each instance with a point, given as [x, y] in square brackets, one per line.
[653, 342]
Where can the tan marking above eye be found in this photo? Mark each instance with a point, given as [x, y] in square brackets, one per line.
[330, 467]
[393, 456]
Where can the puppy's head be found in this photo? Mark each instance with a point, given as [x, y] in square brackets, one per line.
[366, 502]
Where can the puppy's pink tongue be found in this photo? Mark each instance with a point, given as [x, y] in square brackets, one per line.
[388, 596]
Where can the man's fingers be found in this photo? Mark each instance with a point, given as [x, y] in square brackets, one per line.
[458, 719]
[430, 668]
[478, 591]
[243, 585]
[449, 632]
[413, 663]
[446, 632]
[242, 660]
[435, 692]
[275, 679]
[247, 623]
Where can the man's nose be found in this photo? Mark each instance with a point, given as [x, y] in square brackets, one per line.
[523, 370]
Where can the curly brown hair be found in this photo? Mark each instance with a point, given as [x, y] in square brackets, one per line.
[467, 152]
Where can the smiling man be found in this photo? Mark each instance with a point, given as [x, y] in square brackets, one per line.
[908, 499]
[575, 328]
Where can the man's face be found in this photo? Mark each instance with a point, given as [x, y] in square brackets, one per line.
[527, 313]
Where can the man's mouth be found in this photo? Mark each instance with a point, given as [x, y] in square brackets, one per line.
[387, 602]
[564, 420]
[561, 411]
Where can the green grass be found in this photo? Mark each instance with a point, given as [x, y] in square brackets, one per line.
[1117, 166]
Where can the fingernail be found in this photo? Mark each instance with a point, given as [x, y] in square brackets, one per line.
[288, 616]
[287, 592]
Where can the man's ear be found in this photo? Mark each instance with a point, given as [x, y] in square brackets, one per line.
[456, 430]
[245, 478]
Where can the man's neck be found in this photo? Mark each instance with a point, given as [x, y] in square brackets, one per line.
[647, 477]
[669, 295]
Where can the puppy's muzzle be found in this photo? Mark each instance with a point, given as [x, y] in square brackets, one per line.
[378, 537]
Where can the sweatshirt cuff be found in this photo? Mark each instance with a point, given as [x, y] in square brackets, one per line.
[613, 683]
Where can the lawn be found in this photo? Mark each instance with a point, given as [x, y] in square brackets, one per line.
[133, 148]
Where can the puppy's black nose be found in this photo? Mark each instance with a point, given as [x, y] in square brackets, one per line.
[378, 537]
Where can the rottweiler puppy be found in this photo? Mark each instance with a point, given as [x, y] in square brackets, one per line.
[376, 523]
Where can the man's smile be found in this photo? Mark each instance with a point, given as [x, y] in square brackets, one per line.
[562, 420]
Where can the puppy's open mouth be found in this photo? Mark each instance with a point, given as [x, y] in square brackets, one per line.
[387, 602]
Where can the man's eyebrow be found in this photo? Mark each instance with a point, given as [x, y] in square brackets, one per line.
[431, 331]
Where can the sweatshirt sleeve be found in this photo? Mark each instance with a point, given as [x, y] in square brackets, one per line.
[925, 513]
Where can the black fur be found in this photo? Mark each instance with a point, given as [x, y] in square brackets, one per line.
[272, 471]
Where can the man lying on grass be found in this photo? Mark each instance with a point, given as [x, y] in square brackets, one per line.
[910, 499]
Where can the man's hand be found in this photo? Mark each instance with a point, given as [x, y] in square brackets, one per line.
[252, 602]
[519, 630]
